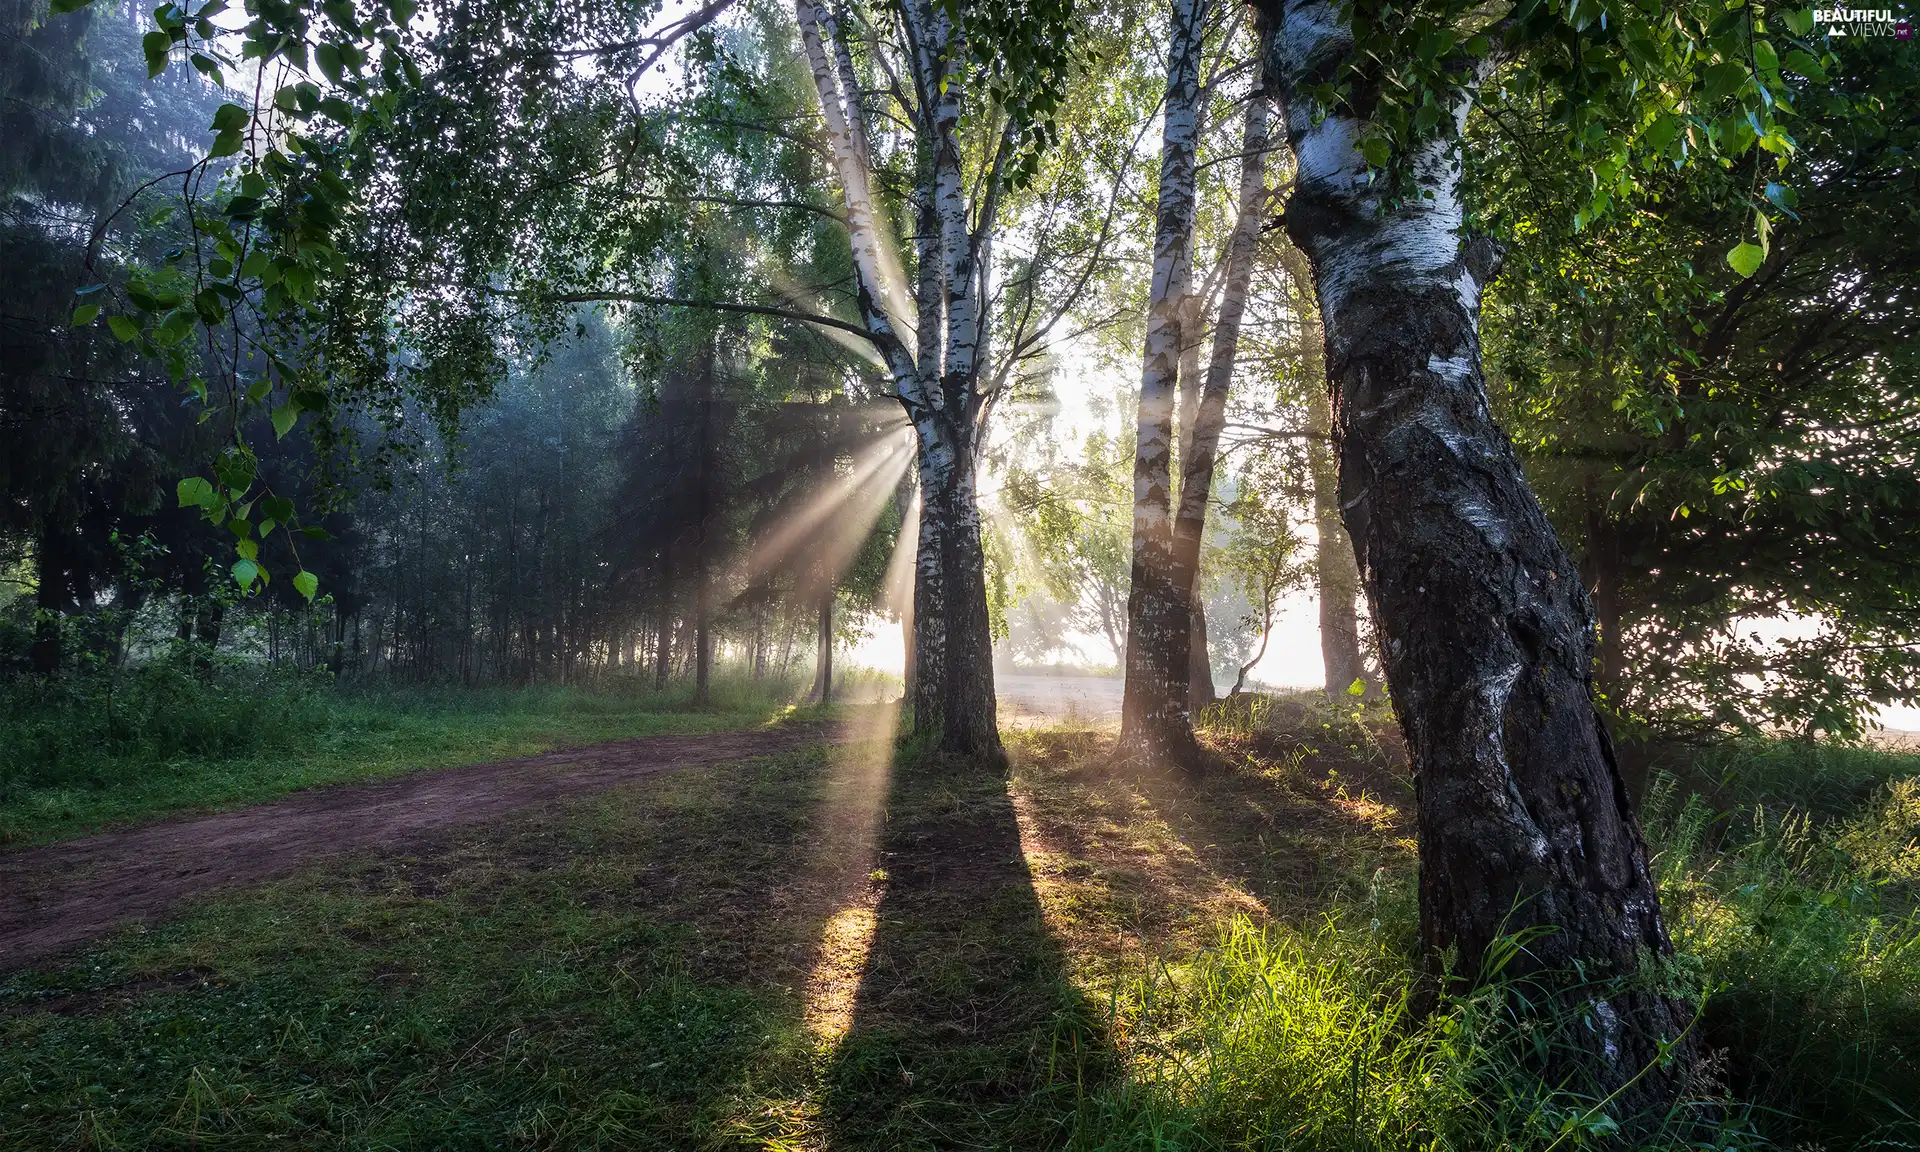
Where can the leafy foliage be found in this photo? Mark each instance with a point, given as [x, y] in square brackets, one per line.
[1738, 459]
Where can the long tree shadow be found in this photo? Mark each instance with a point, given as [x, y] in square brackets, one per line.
[966, 1030]
[617, 970]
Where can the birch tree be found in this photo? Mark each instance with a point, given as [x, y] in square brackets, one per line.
[1155, 722]
[1524, 823]
[1168, 669]
[934, 343]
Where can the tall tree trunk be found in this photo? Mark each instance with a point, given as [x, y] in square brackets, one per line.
[1201, 457]
[929, 620]
[954, 657]
[1155, 723]
[663, 654]
[823, 654]
[703, 512]
[210, 615]
[969, 723]
[50, 606]
[1339, 577]
[1333, 554]
[1487, 630]
[1199, 667]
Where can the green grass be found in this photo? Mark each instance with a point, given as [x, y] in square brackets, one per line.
[81, 753]
[639, 970]
[814, 951]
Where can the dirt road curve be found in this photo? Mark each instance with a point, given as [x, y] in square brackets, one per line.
[59, 895]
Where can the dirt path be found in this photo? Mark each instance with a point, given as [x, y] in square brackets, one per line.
[59, 895]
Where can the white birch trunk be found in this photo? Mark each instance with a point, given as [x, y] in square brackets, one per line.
[1155, 721]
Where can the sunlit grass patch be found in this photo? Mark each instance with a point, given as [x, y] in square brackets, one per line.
[1809, 929]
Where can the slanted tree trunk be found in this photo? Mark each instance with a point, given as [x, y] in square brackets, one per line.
[1487, 632]
[1155, 723]
[1199, 669]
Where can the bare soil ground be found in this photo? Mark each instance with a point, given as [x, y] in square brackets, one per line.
[59, 895]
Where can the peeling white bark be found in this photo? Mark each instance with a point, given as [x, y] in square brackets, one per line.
[1155, 720]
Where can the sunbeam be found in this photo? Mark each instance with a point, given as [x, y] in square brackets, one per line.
[897, 589]
[875, 470]
[847, 870]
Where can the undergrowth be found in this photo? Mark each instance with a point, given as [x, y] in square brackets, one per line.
[1794, 898]
[84, 750]
[1083, 955]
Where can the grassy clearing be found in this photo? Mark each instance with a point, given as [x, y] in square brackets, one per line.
[821, 951]
[84, 752]
[750, 956]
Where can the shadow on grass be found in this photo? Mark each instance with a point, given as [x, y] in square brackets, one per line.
[966, 1030]
[613, 972]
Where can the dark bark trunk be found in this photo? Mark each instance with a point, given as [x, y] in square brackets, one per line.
[663, 651]
[210, 615]
[1200, 689]
[702, 591]
[823, 654]
[1524, 822]
[969, 722]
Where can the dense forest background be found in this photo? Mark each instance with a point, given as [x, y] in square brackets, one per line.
[1722, 453]
[393, 385]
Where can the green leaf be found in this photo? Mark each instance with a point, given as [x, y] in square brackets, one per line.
[228, 117]
[84, 315]
[327, 56]
[283, 420]
[156, 45]
[306, 583]
[194, 492]
[211, 308]
[1805, 64]
[1722, 80]
[1745, 259]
